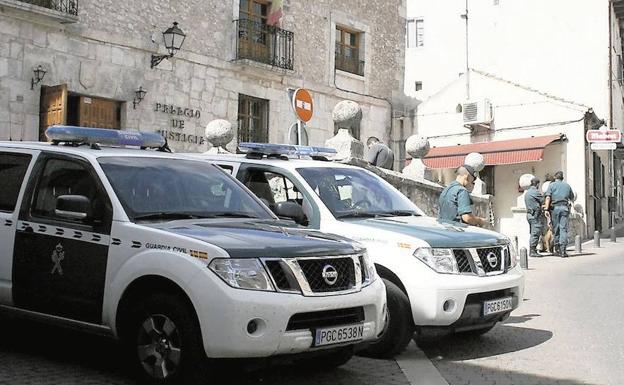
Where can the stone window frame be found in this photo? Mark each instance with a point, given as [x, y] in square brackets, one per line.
[347, 21]
[414, 42]
[263, 117]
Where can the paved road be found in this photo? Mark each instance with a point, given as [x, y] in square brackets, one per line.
[569, 330]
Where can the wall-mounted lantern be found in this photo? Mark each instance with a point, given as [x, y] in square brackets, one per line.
[173, 38]
[139, 96]
[39, 74]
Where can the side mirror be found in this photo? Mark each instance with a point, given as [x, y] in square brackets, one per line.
[290, 210]
[75, 207]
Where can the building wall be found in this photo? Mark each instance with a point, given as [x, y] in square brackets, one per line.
[107, 54]
[518, 113]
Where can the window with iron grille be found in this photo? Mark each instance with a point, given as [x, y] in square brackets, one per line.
[415, 33]
[259, 41]
[253, 119]
[69, 7]
[348, 51]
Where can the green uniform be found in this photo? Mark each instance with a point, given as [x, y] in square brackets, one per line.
[560, 194]
[454, 202]
[533, 201]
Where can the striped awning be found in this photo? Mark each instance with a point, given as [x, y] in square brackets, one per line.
[495, 153]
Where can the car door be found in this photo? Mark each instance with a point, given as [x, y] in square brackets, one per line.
[14, 165]
[59, 264]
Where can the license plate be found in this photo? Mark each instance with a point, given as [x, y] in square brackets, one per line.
[338, 334]
[497, 306]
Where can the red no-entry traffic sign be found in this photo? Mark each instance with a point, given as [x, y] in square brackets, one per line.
[302, 104]
[603, 136]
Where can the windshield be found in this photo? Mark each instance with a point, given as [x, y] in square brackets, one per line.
[167, 189]
[357, 193]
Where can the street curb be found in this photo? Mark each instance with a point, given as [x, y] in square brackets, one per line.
[417, 368]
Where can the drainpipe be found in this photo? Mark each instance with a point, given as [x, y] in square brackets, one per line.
[611, 155]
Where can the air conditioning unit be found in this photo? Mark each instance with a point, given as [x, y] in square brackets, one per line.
[478, 112]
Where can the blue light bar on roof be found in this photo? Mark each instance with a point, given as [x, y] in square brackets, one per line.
[284, 149]
[104, 136]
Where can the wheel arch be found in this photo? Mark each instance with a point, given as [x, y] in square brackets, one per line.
[141, 287]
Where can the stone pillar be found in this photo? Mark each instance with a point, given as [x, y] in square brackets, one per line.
[219, 133]
[417, 147]
[347, 116]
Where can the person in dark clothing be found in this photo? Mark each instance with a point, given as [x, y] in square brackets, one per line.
[379, 154]
[559, 195]
[534, 201]
[455, 202]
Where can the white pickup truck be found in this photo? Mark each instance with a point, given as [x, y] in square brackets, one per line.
[440, 277]
[174, 257]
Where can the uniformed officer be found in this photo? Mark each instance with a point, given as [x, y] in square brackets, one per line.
[455, 202]
[534, 201]
[558, 196]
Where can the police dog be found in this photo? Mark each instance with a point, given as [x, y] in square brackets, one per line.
[548, 239]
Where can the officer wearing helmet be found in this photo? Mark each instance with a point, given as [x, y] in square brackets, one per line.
[455, 202]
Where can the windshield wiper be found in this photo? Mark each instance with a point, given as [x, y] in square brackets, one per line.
[358, 214]
[231, 214]
[401, 213]
[168, 215]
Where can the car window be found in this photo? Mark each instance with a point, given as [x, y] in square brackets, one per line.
[12, 171]
[67, 177]
[227, 168]
[148, 187]
[272, 187]
[353, 192]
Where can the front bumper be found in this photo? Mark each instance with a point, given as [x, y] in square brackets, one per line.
[224, 315]
[455, 301]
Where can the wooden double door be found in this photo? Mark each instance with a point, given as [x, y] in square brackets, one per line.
[58, 106]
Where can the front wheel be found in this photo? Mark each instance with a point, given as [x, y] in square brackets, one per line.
[399, 330]
[164, 340]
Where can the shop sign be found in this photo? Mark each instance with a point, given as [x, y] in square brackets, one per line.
[603, 136]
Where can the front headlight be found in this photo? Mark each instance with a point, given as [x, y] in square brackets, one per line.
[369, 268]
[440, 260]
[513, 255]
[242, 273]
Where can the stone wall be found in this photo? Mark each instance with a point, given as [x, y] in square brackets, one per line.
[106, 54]
[424, 194]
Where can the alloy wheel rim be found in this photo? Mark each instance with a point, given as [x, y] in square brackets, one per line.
[159, 346]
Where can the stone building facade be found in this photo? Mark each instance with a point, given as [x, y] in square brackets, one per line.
[96, 55]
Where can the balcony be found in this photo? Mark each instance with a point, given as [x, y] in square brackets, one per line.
[264, 44]
[349, 64]
[64, 11]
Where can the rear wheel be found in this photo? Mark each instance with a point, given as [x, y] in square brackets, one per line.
[399, 330]
[164, 340]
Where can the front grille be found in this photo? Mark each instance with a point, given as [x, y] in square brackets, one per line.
[463, 260]
[313, 272]
[318, 319]
[491, 259]
[281, 275]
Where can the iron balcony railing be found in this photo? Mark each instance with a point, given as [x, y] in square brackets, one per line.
[349, 64]
[264, 43]
[69, 7]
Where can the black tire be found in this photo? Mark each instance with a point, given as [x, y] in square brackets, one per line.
[400, 328]
[328, 361]
[163, 338]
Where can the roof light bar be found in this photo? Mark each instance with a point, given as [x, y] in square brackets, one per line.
[284, 149]
[104, 136]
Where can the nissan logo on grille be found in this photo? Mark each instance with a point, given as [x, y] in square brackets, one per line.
[330, 274]
[492, 259]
